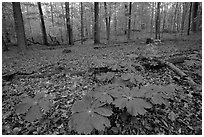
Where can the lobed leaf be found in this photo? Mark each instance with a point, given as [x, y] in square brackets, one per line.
[137, 106]
[25, 105]
[82, 105]
[89, 114]
[103, 111]
[45, 104]
[33, 113]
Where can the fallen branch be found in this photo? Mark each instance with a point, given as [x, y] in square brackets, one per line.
[180, 73]
[170, 65]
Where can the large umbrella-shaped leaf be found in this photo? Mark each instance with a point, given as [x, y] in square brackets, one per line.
[33, 113]
[131, 99]
[25, 105]
[89, 114]
[32, 106]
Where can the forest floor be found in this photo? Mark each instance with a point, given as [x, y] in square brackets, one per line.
[63, 74]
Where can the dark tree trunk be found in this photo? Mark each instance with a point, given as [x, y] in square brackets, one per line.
[152, 18]
[107, 23]
[126, 14]
[115, 19]
[129, 21]
[185, 9]
[164, 19]
[51, 6]
[82, 23]
[157, 28]
[96, 24]
[194, 15]
[69, 28]
[19, 25]
[189, 19]
[64, 20]
[44, 35]
[174, 21]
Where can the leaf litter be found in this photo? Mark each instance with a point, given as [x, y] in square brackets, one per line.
[52, 73]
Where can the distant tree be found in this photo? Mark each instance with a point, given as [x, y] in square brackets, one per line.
[184, 13]
[175, 16]
[107, 18]
[194, 16]
[64, 21]
[157, 22]
[152, 18]
[115, 18]
[43, 29]
[19, 25]
[126, 15]
[51, 6]
[82, 23]
[69, 28]
[96, 24]
[189, 19]
[129, 21]
[164, 18]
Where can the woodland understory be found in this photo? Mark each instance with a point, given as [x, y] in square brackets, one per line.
[70, 73]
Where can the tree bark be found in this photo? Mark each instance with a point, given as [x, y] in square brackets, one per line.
[126, 14]
[52, 14]
[19, 25]
[184, 5]
[96, 23]
[69, 28]
[107, 23]
[194, 15]
[30, 27]
[164, 19]
[152, 18]
[44, 35]
[175, 16]
[189, 19]
[64, 21]
[115, 19]
[129, 21]
[157, 23]
[82, 23]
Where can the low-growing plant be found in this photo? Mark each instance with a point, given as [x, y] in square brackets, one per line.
[133, 78]
[105, 76]
[33, 106]
[89, 114]
[86, 115]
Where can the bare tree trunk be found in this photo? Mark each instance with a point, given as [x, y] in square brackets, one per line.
[19, 26]
[164, 20]
[30, 27]
[189, 19]
[115, 20]
[157, 22]
[44, 35]
[107, 23]
[126, 14]
[152, 18]
[64, 20]
[184, 5]
[129, 21]
[96, 23]
[82, 23]
[194, 15]
[174, 22]
[69, 28]
[52, 14]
